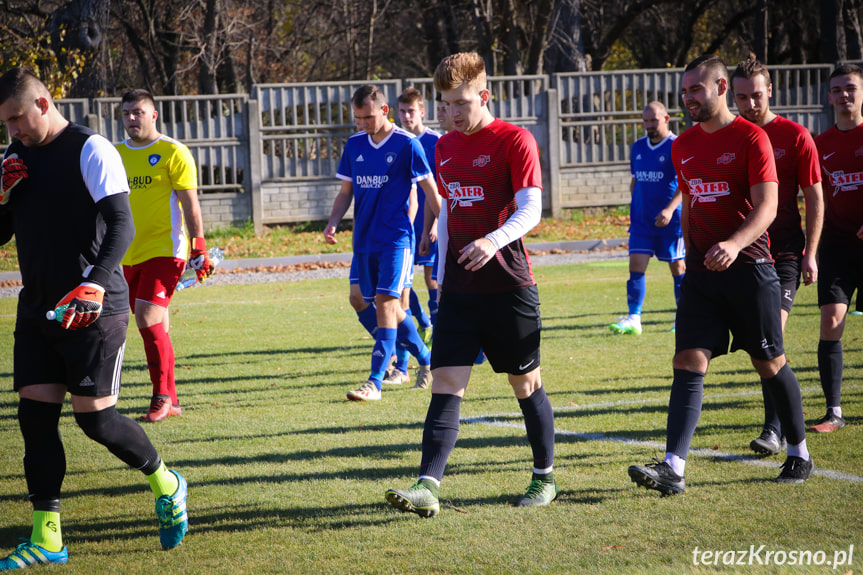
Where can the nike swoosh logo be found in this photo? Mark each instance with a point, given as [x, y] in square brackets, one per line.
[687, 159]
[828, 155]
[527, 365]
[442, 162]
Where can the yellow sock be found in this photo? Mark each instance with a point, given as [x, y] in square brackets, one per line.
[46, 531]
[163, 482]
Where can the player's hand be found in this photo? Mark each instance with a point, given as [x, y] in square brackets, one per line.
[809, 269]
[860, 233]
[425, 246]
[662, 219]
[433, 231]
[330, 235]
[476, 254]
[85, 306]
[199, 259]
[720, 257]
[13, 173]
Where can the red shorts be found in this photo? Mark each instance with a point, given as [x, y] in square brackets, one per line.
[154, 280]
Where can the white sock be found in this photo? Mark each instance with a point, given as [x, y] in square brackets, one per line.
[545, 471]
[798, 450]
[676, 463]
[837, 411]
[429, 477]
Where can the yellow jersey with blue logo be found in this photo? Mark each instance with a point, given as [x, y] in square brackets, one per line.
[155, 172]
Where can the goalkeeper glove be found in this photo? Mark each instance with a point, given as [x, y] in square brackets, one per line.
[199, 259]
[13, 171]
[84, 306]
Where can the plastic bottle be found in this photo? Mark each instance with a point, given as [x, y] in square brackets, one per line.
[190, 277]
[57, 314]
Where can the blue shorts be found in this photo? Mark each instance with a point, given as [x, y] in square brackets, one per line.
[388, 273]
[354, 277]
[666, 248]
[427, 260]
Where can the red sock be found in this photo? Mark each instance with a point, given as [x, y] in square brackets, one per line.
[160, 358]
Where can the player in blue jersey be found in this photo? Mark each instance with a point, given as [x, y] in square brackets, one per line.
[411, 114]
[378, 168]
[654, 214]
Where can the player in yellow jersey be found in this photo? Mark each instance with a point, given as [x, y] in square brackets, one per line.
[164, 197]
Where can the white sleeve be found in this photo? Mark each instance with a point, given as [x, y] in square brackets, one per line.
[102, 168]
[528, 214]
[442, 240]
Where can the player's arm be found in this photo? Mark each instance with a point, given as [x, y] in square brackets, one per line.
[684, 223]
[413, 204]
[199, 258]
[6, 225]
[480, 251]
[765, 198]
[431, 210]
[442, 245]
[665, 215]
[813, 200]
[340, 208]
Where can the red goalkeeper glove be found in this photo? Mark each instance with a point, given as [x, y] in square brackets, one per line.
[14, 171]
[84, 306]
[199, 259]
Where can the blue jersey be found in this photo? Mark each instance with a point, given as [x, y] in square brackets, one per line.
[381, 176]
[655, 184]
[428, 139]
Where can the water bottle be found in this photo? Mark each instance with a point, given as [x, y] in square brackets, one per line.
[57, 314]
[190, 277]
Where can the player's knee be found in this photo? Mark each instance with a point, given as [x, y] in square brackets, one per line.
[357, 302]
[97, 425]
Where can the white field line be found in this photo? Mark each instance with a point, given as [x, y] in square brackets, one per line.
[496, 420]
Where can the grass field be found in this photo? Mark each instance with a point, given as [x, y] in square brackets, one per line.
[286, 476]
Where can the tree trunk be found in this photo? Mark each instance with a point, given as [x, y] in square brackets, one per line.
[852, 29]
[81, 25]
[760, 42]
[538, 37]
[830, 31]
[565, 50]
[208, 61]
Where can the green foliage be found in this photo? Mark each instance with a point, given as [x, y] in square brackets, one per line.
[286, 476]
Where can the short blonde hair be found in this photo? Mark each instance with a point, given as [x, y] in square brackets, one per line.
[458, 69]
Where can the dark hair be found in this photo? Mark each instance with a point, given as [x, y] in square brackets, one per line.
[842, 70]
[368, 92]
[17, 81]
[137, 95]
[712, 62]
[749, 68]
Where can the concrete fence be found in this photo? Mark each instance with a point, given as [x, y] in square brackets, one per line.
[271, 156]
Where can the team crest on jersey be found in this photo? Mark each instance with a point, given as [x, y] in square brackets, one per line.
[778, 153]
[154, 159]
[390, 158]
[662, 158]
[859, 152]
[725, 158]
[465, 195]
[482, 161]
[704, 192]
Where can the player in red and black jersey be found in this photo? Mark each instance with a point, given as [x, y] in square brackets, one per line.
[841, 256]
[797, 168]
[489, 176]
[726, 171]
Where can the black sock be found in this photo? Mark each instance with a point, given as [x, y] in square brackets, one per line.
[439, 434]
[789, 403]
[44, 457]
[539, 424]
[830, 370]
[771, 418]
[122, 436]
[684, 409]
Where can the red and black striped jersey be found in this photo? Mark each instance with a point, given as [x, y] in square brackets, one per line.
[841, 155]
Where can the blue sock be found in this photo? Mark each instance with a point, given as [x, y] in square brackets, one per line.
[411, 340]
[403, 356]
[636, 287]
[369, 319]
[418, 312]
[677, 281]
[433, 305]
[385, 346]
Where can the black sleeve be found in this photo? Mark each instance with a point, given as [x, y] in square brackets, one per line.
[119, 232]
[7, 229]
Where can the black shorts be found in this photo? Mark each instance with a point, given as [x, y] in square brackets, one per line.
[506, 326]
[788, 270]
[87, 361]
[840, 272]
[743, 300]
